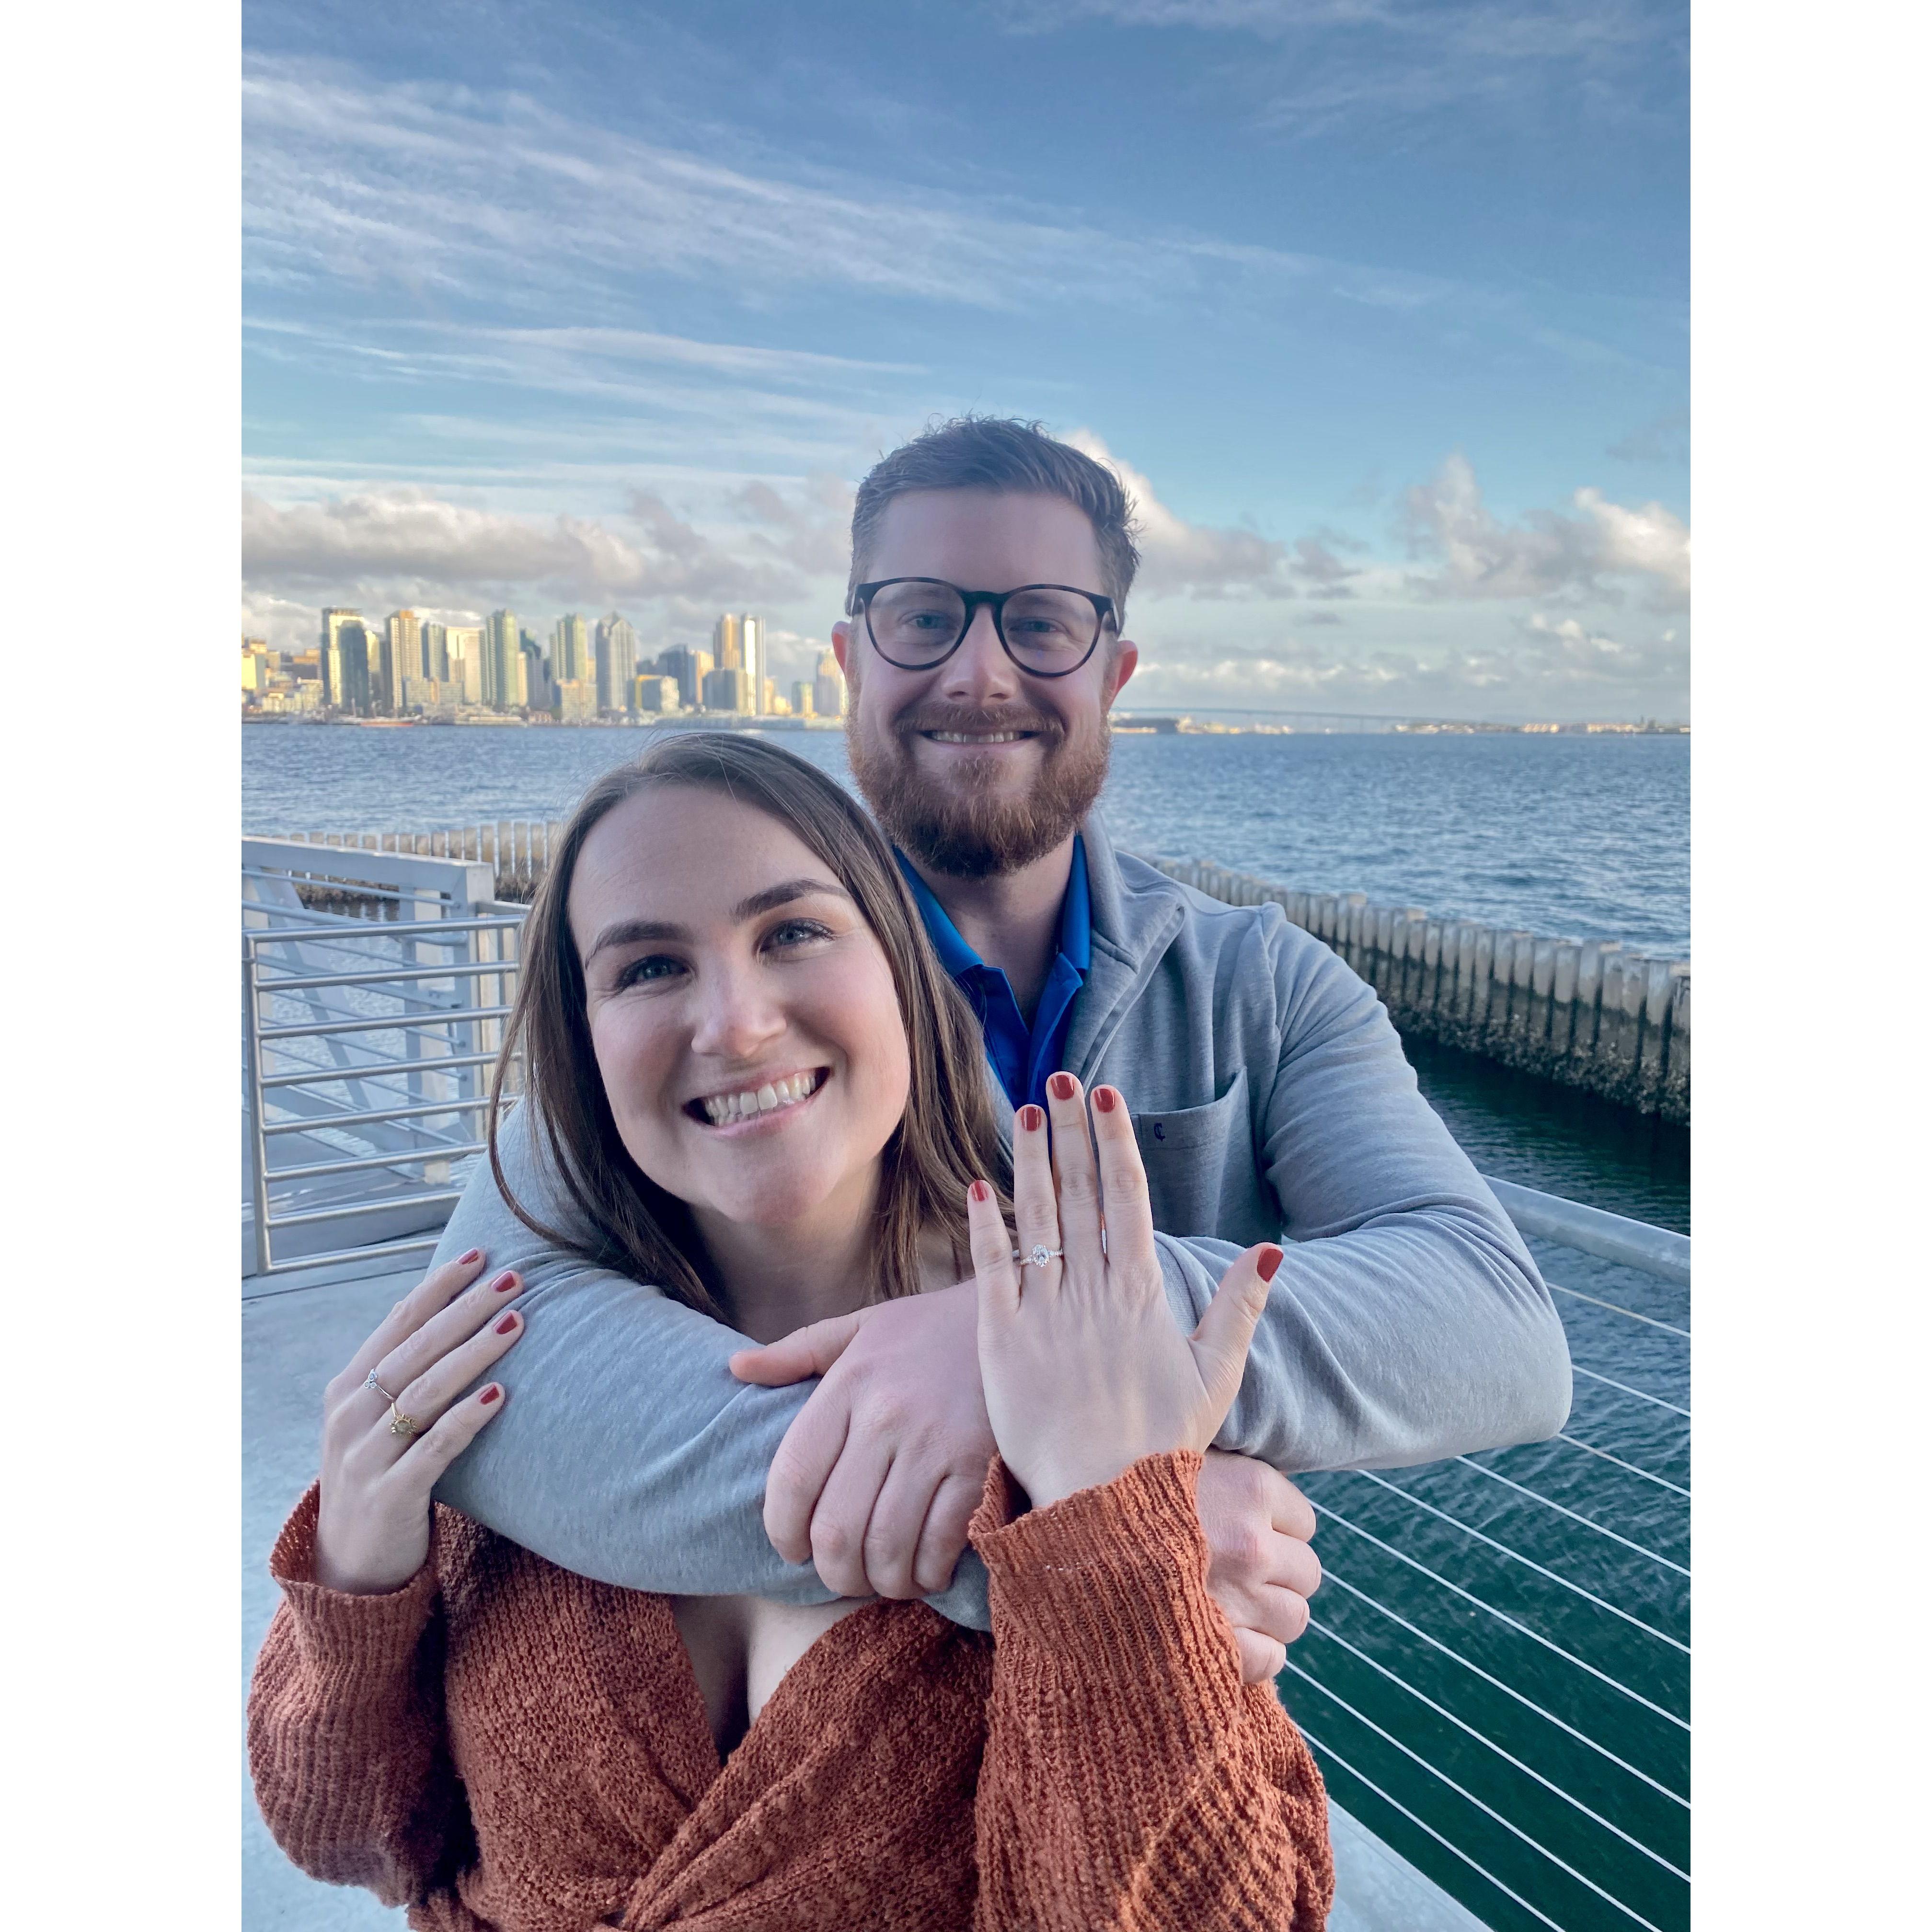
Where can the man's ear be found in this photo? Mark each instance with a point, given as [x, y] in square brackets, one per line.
[841, 647]
[1126, 660]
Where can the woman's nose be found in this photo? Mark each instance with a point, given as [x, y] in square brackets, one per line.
[736, 1016]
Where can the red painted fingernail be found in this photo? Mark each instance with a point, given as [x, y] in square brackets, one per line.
[1061, 1086]
[1031, 1119]
[1105, 1098]
[491, 1394]
[504, 1281]
[474, 1255]
[508, 1322]
[1271, 1260]
[980, 1191]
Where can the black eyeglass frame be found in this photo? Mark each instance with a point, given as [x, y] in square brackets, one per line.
[1104, 613]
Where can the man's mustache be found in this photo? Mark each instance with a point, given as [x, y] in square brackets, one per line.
[929, 717]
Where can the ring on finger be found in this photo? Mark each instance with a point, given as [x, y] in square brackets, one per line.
[1037, 1256]
[372, 1383]
[400, 1424]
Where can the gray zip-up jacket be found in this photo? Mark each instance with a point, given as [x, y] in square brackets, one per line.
[1271, 1100]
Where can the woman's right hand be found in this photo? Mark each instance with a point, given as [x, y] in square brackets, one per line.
[372, 1534]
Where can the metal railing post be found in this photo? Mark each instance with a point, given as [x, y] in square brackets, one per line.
[258, 1144]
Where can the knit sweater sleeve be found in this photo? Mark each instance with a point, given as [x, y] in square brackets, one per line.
[1131, 1781]
[347, 1739]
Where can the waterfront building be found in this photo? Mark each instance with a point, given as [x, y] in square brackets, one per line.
[727, 688]
[828, 687]
[502, 679]
[691, 667]
[803, 695]
[330, 653]
[435, 652]
[576, 700]
[400, 661]
[740, 644]
[356, 692]
[727, 644]
[655, 693]
[458, 661]
[616, 663]
[570, 650]
[538, 694]
[255, 671]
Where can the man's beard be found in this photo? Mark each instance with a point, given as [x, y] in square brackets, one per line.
[963, 831]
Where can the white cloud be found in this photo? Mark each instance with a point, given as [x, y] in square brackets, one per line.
[1548, 554]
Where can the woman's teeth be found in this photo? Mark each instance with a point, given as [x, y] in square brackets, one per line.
[721, 1109]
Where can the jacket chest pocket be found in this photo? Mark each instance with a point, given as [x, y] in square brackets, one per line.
[1188, 1154]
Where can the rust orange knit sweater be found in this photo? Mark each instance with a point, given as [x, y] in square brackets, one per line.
[502, 1744]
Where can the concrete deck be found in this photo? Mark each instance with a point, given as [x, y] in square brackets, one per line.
[297, 1331]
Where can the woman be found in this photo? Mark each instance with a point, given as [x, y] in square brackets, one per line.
[761, 1092]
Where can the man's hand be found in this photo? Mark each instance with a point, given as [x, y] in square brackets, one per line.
[880, 1474]
[1261, 1569]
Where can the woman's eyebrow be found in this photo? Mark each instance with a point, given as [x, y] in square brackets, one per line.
[645, 931]
[784, 894]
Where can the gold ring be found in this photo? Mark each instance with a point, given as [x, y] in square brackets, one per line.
[400, 1424]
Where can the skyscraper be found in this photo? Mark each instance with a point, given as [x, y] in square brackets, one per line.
[332, 621]
[616, 663]
[400, 664]
[828, 687]
[727, 688]
[727, 644]
[356, 695]
[570, 651]
[503, 662]
[538, 693]
[740, 643]
[463, 664]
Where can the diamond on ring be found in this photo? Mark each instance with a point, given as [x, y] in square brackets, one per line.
[1041, 1256]
[372, 1383]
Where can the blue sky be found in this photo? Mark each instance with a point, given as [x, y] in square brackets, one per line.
[1381, 307]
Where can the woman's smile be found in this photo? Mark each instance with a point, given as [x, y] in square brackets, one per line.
[761, 1104]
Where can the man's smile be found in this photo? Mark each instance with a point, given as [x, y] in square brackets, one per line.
[975, 737]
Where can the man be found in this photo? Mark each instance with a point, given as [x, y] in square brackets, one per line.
[983, 647]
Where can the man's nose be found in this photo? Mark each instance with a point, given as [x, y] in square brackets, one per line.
[737, 1017]
[980, 672]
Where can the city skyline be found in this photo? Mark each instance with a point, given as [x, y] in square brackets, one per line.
[1379, 313]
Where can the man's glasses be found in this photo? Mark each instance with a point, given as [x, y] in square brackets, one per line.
[1047, 629]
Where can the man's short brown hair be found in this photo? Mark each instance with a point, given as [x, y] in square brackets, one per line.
[1002, 453]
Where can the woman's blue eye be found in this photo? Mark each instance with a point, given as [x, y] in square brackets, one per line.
[653, 966]
[796, 932]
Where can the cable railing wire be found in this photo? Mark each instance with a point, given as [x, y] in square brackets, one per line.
[1490, 1743]
[1649, 1475]
[1503, 1617]
[1609, 1381]
[1329, 1577]
[1617, 1308]
[1489, 1810]
[1528, 1563]
[1562, 1509]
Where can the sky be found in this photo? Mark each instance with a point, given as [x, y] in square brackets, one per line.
[1379, 307]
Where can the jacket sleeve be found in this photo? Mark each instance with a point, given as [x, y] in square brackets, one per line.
[346, 1740]
[628, 1452]
[1408, 1322]
[1130, 1780]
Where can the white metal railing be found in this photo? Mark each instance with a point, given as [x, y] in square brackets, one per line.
[375, 987]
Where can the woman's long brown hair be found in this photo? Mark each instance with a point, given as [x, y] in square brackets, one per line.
[946, 1140]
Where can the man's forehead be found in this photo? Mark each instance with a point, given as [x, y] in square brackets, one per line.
[986, 539]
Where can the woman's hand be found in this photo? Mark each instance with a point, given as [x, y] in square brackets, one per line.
[372, 1534]
[1084, 1371]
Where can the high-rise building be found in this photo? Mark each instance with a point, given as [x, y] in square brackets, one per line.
[691, 667]
[752, 631]
[356, 692]
[801, 697]
[503, 662]
[654, 693]
[728, 689]
[399, 662]
[462, 662]
[570, 651]
[727, 644]
[537, 693]
[575, 700]
[828, 687]
[616, 663]
[435, 652]
[332, 621]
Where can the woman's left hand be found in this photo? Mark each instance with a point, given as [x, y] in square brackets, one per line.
[1084, 1370]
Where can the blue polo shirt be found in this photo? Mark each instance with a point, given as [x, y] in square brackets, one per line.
[1022, 1056]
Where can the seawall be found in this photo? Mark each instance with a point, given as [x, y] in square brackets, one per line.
[1586, 1013]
